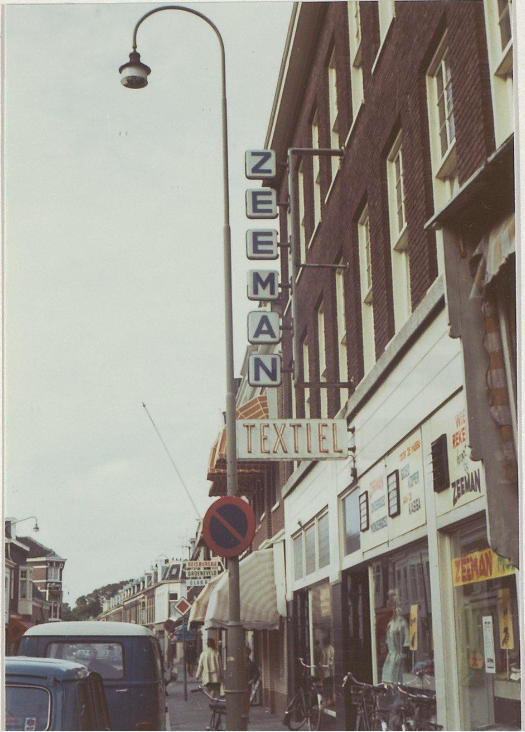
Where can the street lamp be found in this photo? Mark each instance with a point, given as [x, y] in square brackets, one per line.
[36, 527]
[134, 75]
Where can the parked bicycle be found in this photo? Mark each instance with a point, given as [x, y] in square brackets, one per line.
[218, 709]
[307, 704]
[388, 706]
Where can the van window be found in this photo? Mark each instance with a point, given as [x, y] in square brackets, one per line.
[27, 707]
[104, 658]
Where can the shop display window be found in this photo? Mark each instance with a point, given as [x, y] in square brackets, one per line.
[322, 654]
[351, 522]
[487, 634]
[403, 618]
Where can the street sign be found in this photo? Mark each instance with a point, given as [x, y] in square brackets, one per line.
[264, 369]
[229, 526]
[260, 164]
[199, 573]
[262, 244]
[182, 606]
[263, 284]
[292, 439]
[261, 203]
[264, 327]
[184, 634]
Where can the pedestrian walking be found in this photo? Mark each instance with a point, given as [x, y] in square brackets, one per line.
[209, 670]
[191, 657]
[253, 673]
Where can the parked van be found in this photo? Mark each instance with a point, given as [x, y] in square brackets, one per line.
[127, 657]
[48, 694]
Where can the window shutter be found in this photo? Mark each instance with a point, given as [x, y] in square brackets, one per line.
[440, 474]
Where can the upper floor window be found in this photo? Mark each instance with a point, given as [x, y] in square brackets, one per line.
[365, 276]
[306, 377]
[302, 213]
[316, 169]
[333, 111]
[312, 547]
[398, 235]
[498, 22]
[53, 572]
[386, 10]
[342, 351]
[442, 125]
[322, 358]
[25, 590]
[356, 68]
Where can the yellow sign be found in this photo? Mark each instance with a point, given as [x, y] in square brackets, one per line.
[479, 566]
[413, 628]
[506, 628]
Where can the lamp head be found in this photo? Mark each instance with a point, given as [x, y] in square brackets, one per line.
[134, 74]
[36, 527]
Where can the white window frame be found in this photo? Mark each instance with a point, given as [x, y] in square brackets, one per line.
[53, 572]
[342, 351]
[365, 275]
[316, 170]
[299, 536]
[398, 235]
[333, 112]
[302, 214]
[25, 579]
[501, 70]
[321, 342]
[306, 377]
[445, 179]
[356, 67]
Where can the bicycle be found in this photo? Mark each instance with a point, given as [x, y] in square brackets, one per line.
[414, 711]
[365, 698]
[306, 705]
[217, 706]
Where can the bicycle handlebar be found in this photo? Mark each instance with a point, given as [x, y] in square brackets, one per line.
[317, 665]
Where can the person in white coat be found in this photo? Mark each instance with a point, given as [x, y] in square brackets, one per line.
[209, 670]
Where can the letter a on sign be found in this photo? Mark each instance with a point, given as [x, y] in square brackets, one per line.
[263, 327]
[261, 203]
[263, 284]
[264, 370]
[260, 164]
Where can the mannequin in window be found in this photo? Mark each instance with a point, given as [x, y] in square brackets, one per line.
[397, 641]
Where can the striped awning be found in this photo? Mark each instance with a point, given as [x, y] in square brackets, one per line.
[258, 595]
[200, 604]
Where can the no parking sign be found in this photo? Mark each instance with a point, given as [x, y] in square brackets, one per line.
[229, 526]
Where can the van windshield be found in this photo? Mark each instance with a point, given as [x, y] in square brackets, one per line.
[27, 707]
[104, 658]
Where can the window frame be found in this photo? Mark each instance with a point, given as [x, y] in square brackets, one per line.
[321, 354]
[316, 173]
[333, 110]
[342, 349]
[366, 282]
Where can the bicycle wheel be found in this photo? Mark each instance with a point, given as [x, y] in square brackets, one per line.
[295, 715]
[315, 711]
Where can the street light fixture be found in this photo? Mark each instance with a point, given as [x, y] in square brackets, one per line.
[134, 75]
[36, 527]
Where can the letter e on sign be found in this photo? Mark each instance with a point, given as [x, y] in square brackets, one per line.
[263, 327]
[264, 370]
[260, 164]
[261, 244]
[261, 203]
[263, 284]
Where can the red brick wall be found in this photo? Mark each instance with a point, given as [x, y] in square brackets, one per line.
[395, 98]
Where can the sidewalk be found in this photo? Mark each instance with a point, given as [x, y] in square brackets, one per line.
[195, 714]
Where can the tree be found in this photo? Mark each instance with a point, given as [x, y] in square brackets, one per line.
[89, 606]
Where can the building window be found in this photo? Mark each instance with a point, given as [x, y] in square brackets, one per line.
[53, 572]
[365, 276]
[333, 111]
[356, 66]
[364, 513]
[323, 538]
[387, 12]
[351, 522]
[316, 169]
[342, 352]
[306, 378]
[398, 235]
[322, 653]
[321, 340]
[309, 549]
[302, 214]
[25, 589]
[442, 126]
[498, 17]
[298, 556]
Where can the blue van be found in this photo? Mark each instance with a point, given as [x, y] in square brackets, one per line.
[48, 694]
[127, 657]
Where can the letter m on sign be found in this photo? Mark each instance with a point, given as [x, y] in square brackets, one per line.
[264, 370]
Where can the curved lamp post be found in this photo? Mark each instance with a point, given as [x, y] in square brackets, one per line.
[134, 75]
[36, 527]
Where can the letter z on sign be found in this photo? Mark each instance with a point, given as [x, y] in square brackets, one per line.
[260, 164]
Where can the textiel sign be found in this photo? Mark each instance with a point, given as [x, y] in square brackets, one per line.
[292, 439]
[228, 526]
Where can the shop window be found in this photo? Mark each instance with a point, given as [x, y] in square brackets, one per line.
[403, 619]
[298, 556]
[323, 534]
[309, 549]
[351, 522]
[321, 635]
[487, 634]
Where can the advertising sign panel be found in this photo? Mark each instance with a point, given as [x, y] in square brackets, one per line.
[292, 439]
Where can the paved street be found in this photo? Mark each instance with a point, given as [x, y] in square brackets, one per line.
[195, 715]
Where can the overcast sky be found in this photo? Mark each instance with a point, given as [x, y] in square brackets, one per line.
[113, 268]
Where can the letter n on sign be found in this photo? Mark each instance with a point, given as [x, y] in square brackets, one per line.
[264, 370]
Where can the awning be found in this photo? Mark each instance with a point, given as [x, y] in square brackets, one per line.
[491, 254]
[258, 595]
[200, 604]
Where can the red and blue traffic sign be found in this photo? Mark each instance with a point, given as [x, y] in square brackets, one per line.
[229, 526]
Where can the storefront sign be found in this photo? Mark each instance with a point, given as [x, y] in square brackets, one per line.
[260, 164]
[263, 284]
[264, 369]
[200, 573]
[478, 567]
[374, 483]
[488, 644]
[264, 327]
[292, 439]
[413, 627]
[407, 461]
[506, 627]
[261, 203]
[262, 244]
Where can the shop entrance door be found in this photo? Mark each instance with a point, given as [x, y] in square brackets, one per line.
[358, 651]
